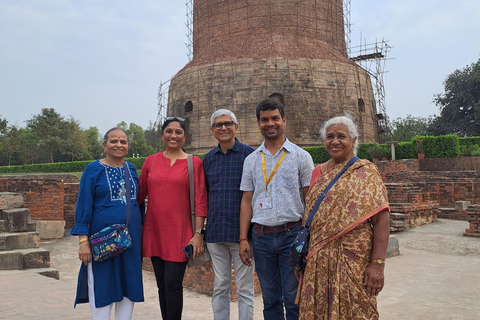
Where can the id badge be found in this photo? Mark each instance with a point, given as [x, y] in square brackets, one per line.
[265, 203]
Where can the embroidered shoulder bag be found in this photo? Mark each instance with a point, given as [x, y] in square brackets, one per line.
[113, 240]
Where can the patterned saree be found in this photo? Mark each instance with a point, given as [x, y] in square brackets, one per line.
[341, 240]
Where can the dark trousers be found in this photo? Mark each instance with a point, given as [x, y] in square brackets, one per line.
[169, 276]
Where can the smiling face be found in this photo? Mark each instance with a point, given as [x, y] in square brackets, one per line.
[338, 142]
[271, 124]
[224, 135]
[173, 136]
[116, 146]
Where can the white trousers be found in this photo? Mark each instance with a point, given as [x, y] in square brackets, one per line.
[222, 254]
[123, 309]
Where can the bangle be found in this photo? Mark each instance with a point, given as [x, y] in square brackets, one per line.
[242, 239]
[83, 240]
[379, 261]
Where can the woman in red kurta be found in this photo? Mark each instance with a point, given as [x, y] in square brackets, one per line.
[168, 224]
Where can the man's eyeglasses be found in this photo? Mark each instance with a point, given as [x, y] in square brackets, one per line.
[174, 118]
[219, 125]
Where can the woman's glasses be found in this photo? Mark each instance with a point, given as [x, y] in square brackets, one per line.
[219, 125]
[174, 118]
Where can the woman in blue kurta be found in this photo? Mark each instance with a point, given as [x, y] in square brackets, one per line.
[101, 203]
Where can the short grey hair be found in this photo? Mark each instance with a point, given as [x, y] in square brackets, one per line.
[347, 121]
[222, 112]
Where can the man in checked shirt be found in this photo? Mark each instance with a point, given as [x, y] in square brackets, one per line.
[223, 167]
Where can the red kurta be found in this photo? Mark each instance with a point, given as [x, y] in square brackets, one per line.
[168, 222]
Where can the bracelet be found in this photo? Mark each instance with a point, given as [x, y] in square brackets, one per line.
[379, 261]
[242, 239]
[83, 240]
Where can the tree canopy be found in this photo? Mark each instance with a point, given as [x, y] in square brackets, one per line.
[460, 103]
[49, 137]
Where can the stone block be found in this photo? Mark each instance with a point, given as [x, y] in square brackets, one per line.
[462, 205]
[393, 248]
[10, 200]
[397, 216]
[49, 272]
[36, 258]
[11, 260]
[24, 240]
[18, 220]
[50, 229]
[397, 224]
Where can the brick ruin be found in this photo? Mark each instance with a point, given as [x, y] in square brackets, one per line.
[419, 191]
[244, 51]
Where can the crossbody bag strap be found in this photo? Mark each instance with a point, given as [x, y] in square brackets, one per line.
[322, 195]
[128, 194]
[192, 189]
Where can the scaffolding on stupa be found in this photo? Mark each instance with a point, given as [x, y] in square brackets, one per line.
[373, 58]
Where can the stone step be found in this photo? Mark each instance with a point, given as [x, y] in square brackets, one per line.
[47, 272]
[19, 240]
[393, 248]
[10, 200]
[24, 259]
[17, 220]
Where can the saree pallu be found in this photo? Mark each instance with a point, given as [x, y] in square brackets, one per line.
[341, 239]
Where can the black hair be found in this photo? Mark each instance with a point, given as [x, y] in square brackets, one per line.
[170, 120]
[269, 104]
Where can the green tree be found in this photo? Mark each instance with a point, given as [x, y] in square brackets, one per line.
[74, 141]
[93, 142]
[404, 129]
[11, 142]
[29, 150]
[460, 103]
[153, 137]
[138, 142]
[47, 126]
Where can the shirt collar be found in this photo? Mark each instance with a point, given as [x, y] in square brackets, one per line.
[286, 144]
[233, 148]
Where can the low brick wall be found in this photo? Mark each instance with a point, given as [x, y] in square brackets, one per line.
[43, 194]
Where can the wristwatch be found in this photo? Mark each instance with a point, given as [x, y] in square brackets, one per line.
[201, 231]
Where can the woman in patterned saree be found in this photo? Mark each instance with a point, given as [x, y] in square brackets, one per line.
[348, 235]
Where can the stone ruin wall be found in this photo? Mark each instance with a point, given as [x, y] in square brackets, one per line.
[244, 51]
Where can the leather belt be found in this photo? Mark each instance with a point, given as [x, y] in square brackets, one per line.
[258, 228]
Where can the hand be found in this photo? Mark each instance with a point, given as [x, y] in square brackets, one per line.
[298, 274]
[245, 253]
[374, 278]
[197, 242]
[84, 253]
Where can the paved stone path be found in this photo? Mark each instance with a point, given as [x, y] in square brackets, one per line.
[437, 276]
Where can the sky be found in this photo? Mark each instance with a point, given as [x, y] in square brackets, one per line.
[101, 62]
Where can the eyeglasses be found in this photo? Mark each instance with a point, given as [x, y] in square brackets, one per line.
[219, 125]
[174, 118]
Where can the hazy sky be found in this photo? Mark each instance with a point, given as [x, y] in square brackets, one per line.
[101, 62]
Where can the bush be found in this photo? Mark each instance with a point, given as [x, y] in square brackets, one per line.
[319, 154]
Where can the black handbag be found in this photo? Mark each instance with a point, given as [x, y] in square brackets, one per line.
[115, 239]
[299, 247]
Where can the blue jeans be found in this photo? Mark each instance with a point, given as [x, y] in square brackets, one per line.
[277, 279]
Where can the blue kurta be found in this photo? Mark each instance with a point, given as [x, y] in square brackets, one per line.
[101, 202]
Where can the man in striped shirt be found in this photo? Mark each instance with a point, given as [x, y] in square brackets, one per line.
[223, 167]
